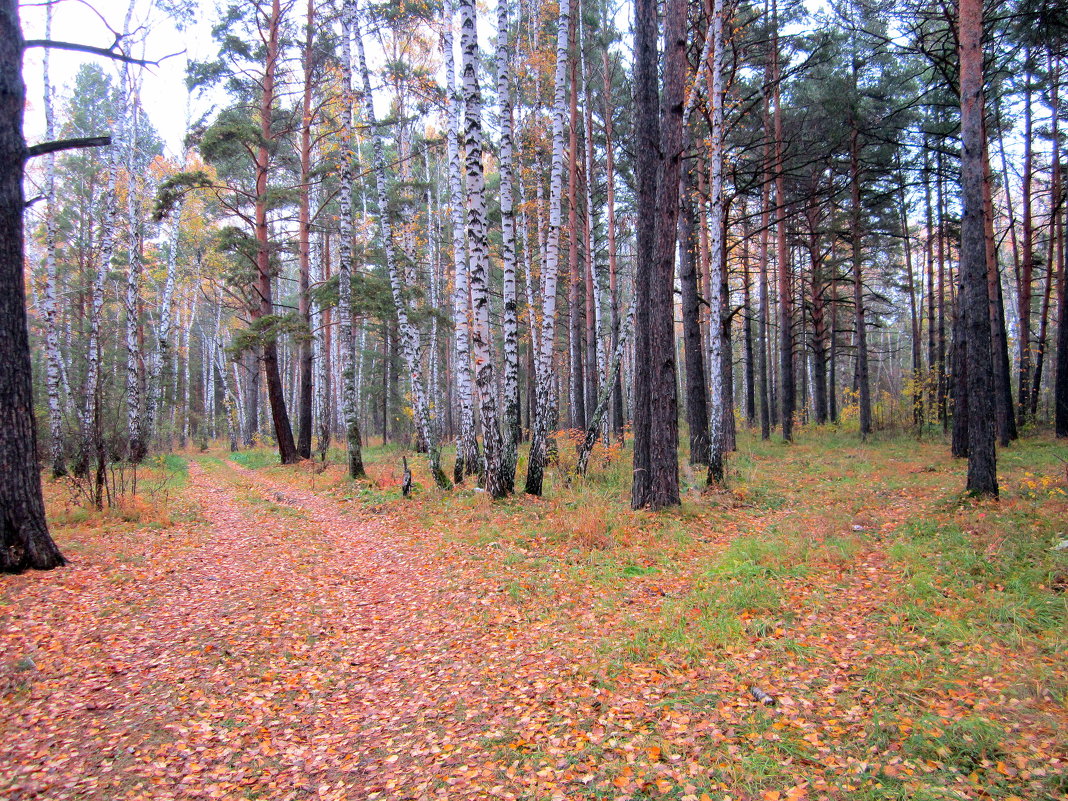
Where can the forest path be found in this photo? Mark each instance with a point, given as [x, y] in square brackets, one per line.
[284, 648]
[292, 644]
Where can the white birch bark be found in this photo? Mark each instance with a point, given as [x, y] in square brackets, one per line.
[596, 424]
[478, 249]
[162, 355]
[53, 355]
[600, 291]
[229, 405]
[545, 409]
[716, 267]
[90, 423]
[409, 334]
[467, 456]
[510, 319]
[345, 256]
[134, 422]
[433, 234]
[187, 372]
[323, 361]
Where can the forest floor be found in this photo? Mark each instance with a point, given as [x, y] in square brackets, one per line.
[242, 630]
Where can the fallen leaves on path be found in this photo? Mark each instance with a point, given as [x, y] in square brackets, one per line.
[292, 645]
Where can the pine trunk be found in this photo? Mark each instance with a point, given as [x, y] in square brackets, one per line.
[982, 463]
[283, 431]
[24, 539]
[656, 469]
[304, 342]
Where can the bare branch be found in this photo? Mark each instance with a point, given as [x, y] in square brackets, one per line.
[99, 51]
[67, 144]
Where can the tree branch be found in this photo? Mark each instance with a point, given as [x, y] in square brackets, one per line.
[99, 51]
[67, 144]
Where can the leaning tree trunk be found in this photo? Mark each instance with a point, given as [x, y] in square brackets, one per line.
[597, 335]
[1056, 234]
[600, 411]
[856, 241]
[409, 334]
[1027, 263]
[982, 461]
[24, 539]
[1004, 415]
[613, 271]
[693, 345]
[467, 454]
[349, 411]
[545, 411]
[764, 322]
[576, 281]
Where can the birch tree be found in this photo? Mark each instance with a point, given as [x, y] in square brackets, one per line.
[409, 334]
[349, 410]
[510, 318]
[53, 354]
[545, 412]
[493, 456]
[717, 251]
[467, 454]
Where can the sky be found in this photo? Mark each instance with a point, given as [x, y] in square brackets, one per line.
[163, 93]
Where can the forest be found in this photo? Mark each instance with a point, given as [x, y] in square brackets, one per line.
[536, 399]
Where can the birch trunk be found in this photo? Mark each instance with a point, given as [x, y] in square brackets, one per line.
[136, 443]
[545, 412]
[604, 395]
[162, 356]
[53, 355]
[596, 329]
[410, 347]
[510, 318]
[91, 443]
[323, 365]
[344, 275]
[493, 455]
[467, 453]
[613, 268]
[717, 252]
